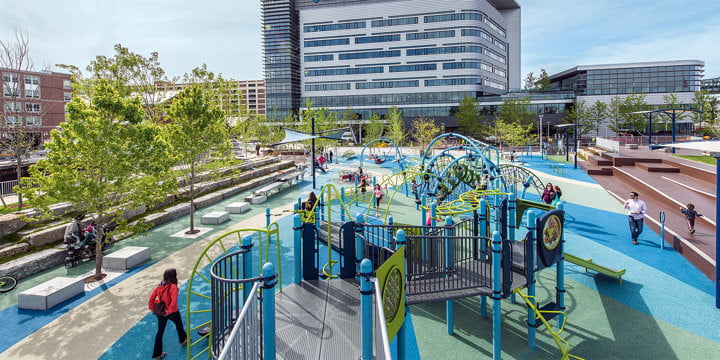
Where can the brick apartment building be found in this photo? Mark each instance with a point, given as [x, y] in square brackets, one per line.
[34, 100]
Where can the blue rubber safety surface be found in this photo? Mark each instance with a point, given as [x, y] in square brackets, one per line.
[19, 323]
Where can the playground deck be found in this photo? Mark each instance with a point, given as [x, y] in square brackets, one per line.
[318, 319]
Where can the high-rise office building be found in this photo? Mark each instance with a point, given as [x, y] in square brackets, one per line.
[423, 56]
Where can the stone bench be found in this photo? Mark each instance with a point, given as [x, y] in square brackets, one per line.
[238, 207]
[215, 218]
[126, 258]
[256, 199]
[268, 189]
[50, 293]
[632, 146]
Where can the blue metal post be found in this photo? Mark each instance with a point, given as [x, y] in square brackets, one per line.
[390, 244]
[321, 208]
[299, 204]
[297, 250]
[401, 336]
[672, 115]
[567, 145]
[575, 136]
[449, 308]
[433, 214]
[662, 229]
[423, 212]
[247, 243]
[561, 273]
[359, 246]
[267, 217]
[343, 201]
[511, 223]
[268, 315]
[483, 245]
[531, 220]
[497, 292]
[366, 311]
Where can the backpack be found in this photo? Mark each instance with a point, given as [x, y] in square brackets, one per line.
[158, 305]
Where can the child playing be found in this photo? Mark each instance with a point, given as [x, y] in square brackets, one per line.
[690, 215]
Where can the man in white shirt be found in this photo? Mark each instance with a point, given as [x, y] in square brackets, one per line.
[636, 214]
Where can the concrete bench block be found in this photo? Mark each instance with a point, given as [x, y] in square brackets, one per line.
[50, 293]
[238, 207]
[126, 258]
[256, 199]
[215, 218]
[631, 146]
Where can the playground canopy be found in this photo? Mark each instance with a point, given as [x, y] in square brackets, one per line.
[297, 135]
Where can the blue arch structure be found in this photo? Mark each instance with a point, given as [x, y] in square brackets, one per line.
[398, 155]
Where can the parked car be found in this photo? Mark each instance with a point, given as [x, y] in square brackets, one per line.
[348, 136]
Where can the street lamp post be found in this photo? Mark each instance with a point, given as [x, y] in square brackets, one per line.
[540, 132]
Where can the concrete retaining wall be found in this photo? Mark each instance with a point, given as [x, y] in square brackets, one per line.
[33, 263]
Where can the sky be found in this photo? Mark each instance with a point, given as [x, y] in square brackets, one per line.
[226, 34]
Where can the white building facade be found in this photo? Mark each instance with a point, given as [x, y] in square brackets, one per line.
[422, 56]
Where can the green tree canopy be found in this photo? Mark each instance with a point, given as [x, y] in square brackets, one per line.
[468, 117]
[517, 111]
[596, 116]
[396, 130]
[374, 129]
[106, 159]
[197, 133]
[424, 129]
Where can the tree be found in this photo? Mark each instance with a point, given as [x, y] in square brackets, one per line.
[543, 82]
[424, 129]
[107, 160]
[530, 82]
[702, 101]
[197, 134]
[616, 120]
[517, 111]
[578, 114]
[634, 103]
[15, 56]
[514, 134]
[468, 117]
[596, 116]
[374, 129]
[396, 131]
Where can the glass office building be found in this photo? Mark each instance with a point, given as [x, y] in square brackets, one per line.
[423, 56]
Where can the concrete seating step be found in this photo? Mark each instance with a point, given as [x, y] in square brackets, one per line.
[238, 207]
[50, 293]
[126, 258]
[655, 167]
[215, 218]
[256, 199]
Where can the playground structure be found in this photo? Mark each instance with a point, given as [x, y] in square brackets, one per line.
[473, 252]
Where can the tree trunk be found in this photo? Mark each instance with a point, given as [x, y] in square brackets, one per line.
[99, 238]
[19, 175]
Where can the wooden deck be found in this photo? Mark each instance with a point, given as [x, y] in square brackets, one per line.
[666, 183]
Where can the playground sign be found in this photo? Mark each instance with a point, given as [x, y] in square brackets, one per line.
[391, 276]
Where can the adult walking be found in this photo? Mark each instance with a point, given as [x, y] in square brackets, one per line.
[636, 213]
[167, 292]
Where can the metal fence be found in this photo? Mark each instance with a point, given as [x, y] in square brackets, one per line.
[7, 187]
[244, 341]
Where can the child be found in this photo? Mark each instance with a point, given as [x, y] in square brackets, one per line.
[690, 215]
[558, 194]
[414, 189]
[378, 197]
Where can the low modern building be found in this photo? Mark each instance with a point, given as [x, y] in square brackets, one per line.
[34, 101]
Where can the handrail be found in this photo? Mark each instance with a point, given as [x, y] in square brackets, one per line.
[382, 341]
[236, 348]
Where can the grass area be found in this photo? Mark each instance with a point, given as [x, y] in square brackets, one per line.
[561, 158]
[699, 158]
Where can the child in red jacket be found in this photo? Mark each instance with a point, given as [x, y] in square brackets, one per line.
[167, 291]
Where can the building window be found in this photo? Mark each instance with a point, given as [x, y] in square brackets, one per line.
[310, 58]
[32, 93]
[443, 50]
[67, 96]
[32, 107]
[10, 120]
[330, 42]
[327, 87]
[419, 67]
[394, 22]
[387, 84]
[33, 121]
[11, 107]
[369, 55]
[430, 35]
[32, 80]
[10, 78]
[345, 71]
[374, 39]
[66, 84]
[453, 17]
[331, 27]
